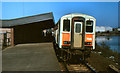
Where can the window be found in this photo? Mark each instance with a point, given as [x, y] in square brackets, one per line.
[89, 26]
[78, 28]
[66, 25]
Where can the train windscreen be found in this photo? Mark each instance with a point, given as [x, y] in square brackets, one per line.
[66, 25]
[89, 26]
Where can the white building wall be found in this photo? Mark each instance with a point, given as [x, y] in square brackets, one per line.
[108, 28]
[100, 29]
[118, 29]
[103, 29]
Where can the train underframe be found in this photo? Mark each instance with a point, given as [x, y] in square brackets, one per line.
[72, 55]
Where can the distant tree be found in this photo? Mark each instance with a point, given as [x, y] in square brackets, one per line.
[108, 31]
[113, 29]
[98, 31]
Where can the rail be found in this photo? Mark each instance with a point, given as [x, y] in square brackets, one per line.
[78, 68]
[92, 69]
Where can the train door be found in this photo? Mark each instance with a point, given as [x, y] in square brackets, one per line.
[78, 34]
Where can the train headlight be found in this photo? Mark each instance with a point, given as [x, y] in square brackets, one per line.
[66, 42]
[87, 43]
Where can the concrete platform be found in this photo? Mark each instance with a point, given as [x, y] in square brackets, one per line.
[30, 57]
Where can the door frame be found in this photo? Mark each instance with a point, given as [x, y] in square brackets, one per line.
[78, 34]
[77, 19]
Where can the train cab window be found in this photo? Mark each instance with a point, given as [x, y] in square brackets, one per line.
[78, 28]
[66, 25]
[89, 26]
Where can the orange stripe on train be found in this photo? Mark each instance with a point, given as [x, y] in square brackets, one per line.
[89, 38]
[65, 37]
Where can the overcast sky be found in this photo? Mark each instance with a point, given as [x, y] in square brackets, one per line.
[106, 13]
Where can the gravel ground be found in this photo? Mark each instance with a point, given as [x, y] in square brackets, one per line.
[100, 63]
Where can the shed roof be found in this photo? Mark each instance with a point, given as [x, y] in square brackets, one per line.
[26, 20]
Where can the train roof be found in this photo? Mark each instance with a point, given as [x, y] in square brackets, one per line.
[78, 14]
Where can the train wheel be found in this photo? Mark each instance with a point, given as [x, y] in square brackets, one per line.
[64, 56]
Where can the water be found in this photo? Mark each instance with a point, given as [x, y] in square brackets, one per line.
[113, 42]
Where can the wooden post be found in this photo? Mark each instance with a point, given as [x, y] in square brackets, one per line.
[12, 36]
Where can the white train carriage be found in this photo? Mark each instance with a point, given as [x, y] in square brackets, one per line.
[75, 32]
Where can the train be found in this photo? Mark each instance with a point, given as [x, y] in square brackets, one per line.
[74, 36]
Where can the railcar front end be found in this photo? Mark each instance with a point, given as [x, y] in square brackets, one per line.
[75, 35]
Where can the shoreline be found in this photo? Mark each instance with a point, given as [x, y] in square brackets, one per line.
[108, 34]
[102, 57]
[111, 41]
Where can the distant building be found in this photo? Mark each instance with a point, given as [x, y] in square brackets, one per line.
[100, 29]
[103, 29]
[108, 28]
[118, 29]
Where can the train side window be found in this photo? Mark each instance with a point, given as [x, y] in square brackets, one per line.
[66, 25]
[78, 28]
[89, 26]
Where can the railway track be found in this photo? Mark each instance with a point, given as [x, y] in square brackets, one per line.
[78, 68]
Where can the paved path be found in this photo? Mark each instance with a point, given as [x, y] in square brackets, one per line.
[30, 57]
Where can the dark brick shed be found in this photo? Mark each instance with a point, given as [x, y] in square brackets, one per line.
[29, 29]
